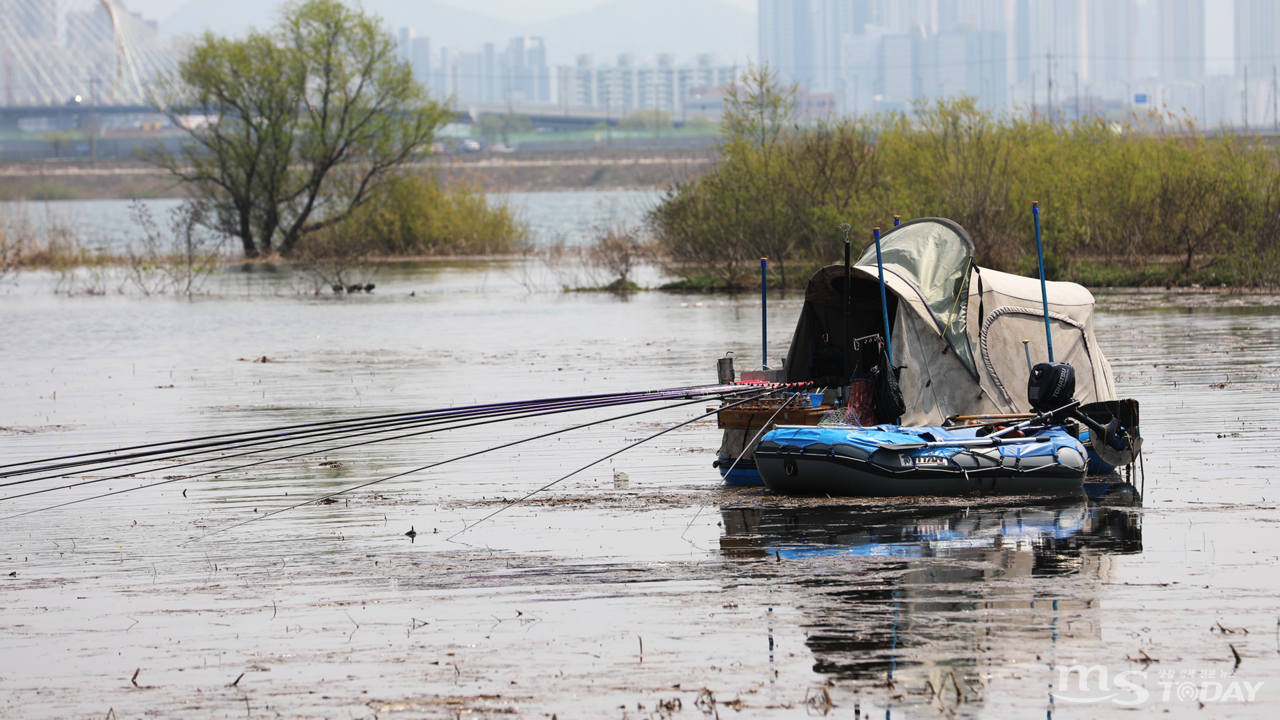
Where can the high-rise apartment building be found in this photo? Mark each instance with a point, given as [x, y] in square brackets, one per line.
[1112, 40]
[1257, 33]
[1181, 39]
[627, 86]
[526, 77]
[790, 39]
[518, 74]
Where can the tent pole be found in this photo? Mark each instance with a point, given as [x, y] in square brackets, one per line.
[848, 334]
[1044, 293]
[764, 313]
[897, 220]
[884, 305]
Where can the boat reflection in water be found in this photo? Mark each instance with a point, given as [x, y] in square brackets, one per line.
[951, 606]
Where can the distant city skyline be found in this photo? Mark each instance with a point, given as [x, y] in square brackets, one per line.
[1213, 60]
[516, 11]
[1218, 18]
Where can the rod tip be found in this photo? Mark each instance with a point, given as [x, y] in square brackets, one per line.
[1035, 203]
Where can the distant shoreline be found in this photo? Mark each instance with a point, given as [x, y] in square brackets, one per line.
[593, 169]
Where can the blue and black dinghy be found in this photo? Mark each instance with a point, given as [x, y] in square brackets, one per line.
[920, 357]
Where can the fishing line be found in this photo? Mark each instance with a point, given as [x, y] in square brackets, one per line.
[470, 455]
[389, 426]
[322, 425]
[309, 452]
[746, 447]
[612, 454]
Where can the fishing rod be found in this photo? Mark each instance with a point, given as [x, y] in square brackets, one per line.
[204, 474]
[387, 426]
[641, 441]
[1044, 292]
[580, 406]
[361, 486]
[884, 305]
[284, 431]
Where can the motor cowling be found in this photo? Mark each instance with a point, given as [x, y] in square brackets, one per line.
[1051, 386]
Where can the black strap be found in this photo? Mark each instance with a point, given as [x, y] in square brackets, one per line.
[981, 314]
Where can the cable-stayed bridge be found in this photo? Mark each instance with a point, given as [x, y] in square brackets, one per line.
[54, 52]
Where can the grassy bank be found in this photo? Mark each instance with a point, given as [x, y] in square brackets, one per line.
[1150, 202]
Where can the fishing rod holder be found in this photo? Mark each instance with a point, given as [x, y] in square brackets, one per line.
[874, 337]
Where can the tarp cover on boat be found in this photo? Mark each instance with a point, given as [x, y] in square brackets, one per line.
[957, 328]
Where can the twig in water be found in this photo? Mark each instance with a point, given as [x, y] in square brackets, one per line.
[353, 622]
[706, 702]
[819, 698]
[1237, 654]
[111, 714]
[236, 681]
[273, 609]
[134, 679]
[641, 647]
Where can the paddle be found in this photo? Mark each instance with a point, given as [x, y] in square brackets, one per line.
[977, 442]
[994, 438]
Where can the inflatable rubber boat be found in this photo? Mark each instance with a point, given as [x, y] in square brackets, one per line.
[891, 461]
[960, 340]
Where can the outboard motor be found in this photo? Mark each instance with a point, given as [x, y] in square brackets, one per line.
[1051, 387]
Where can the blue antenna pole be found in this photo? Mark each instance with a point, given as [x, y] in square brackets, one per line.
[897, 220]
[1044, 293]
[764, 313]
[884, 305]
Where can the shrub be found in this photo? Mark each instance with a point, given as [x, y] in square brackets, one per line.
[1153, 200]
[416, 216]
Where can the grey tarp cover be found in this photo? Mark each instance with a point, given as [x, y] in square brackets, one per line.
[934, 256]
[958, 329]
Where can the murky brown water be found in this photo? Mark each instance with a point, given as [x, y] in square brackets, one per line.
[596, 600]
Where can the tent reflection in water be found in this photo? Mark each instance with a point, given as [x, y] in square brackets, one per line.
[957, 335]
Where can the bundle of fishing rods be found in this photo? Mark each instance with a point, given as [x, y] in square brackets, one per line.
[252, 448]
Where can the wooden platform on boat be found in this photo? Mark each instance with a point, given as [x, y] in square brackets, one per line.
[753, 415]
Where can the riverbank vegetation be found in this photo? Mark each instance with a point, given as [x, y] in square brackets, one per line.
[308, 126]
[1154, 201]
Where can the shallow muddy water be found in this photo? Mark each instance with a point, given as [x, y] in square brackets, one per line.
[665, 596]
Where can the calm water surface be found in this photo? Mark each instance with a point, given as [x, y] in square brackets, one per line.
[567, 217]
[595, 599]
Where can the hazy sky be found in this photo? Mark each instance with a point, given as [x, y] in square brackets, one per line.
[1218, 18]
[513, 10]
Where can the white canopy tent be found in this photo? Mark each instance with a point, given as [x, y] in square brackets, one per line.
[957, 329]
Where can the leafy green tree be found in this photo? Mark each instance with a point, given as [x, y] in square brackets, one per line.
[58, 140]
[646, 120]
[514, 122]
[292, 129]
[490, 127]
